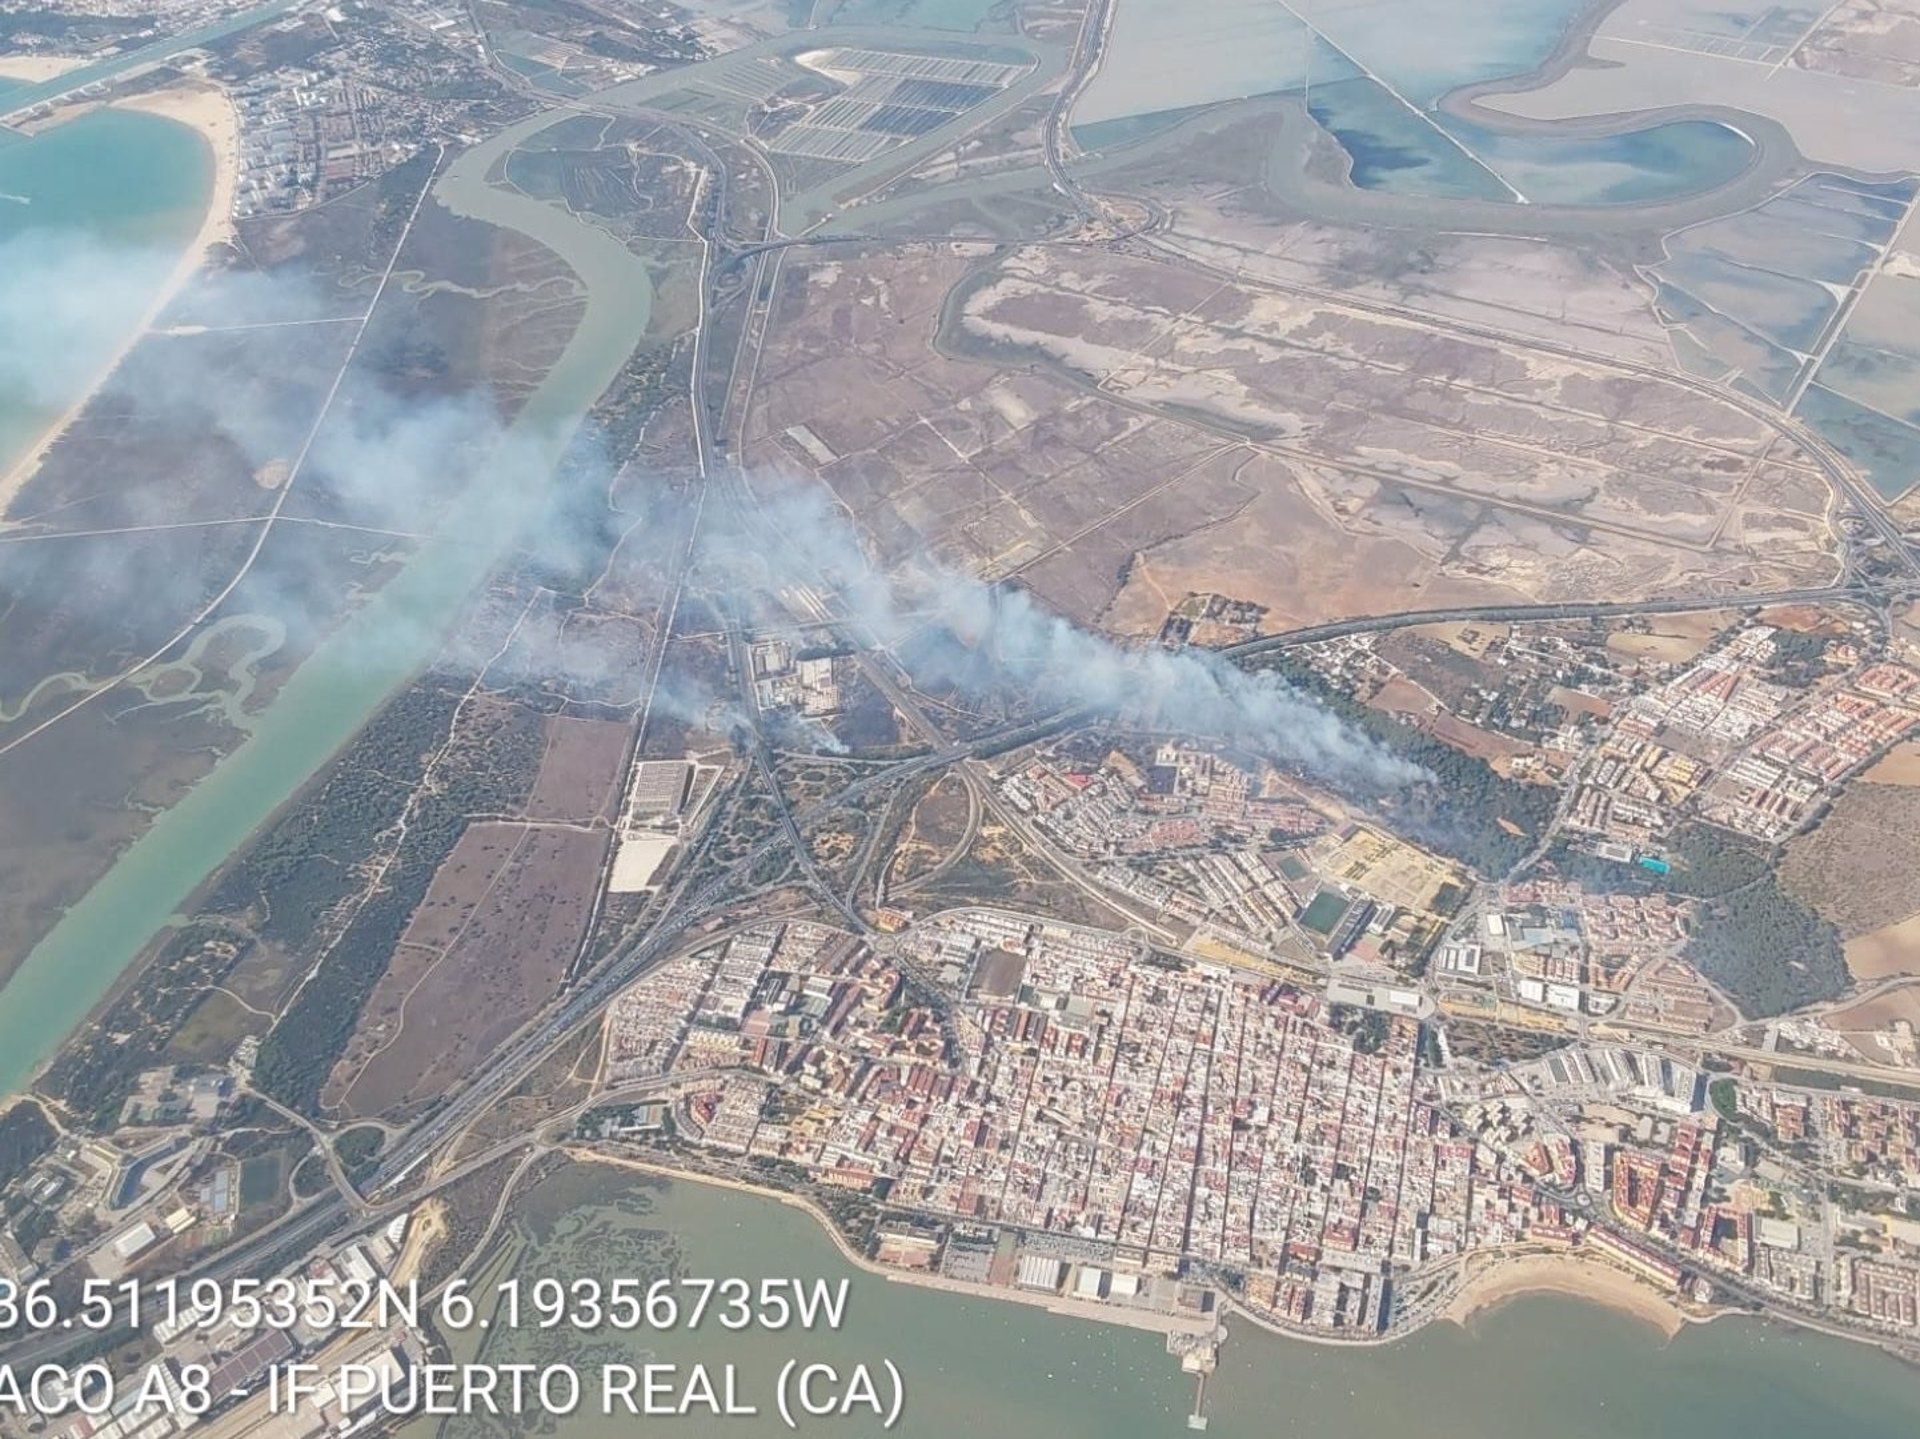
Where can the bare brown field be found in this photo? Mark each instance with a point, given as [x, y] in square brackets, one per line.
[481, 852]
[1385, 397]
[998, 868]
[1019, 472]
[1402, 696]
[1579, 702]
[1899, 766]
[1861, 869]
[933, 831]
[1880, 1012]
[1804, 619]
[1484, 744]
[1544, 290]
[1472, 638]
[1883, 953]
[488, 946]
[1669, 639]
[580, 772]
[1445, 667]
[1117, 432]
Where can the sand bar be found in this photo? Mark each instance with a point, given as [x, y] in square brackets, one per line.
[207, 110]
[35, 68]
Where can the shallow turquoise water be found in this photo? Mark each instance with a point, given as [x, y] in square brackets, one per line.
[1660, 162]
[34, 92]
[1167, 56]
[359, 663]
[131, 181]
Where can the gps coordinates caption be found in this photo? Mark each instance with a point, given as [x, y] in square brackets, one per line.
[326, 1349]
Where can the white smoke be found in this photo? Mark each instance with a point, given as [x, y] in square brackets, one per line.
[797, 539]
[67, 303]
[391, 458]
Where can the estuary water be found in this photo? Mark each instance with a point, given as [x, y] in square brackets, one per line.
[1540, 1367]
[140, 56]
[1373, 77]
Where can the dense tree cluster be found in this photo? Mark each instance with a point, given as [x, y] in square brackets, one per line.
[25, 1136]
[486, 773]
[302, 864]
[95, 1072]
[1465, 809]
[1798, 659]
[1766, 949]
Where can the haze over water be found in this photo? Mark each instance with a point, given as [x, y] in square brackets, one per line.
[114, 177]
[356, 666]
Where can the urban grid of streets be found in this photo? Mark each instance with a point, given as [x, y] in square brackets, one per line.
[1179, 1112]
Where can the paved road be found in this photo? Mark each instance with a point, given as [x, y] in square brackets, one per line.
[695, 899]
[687, 907]
[1545, 613]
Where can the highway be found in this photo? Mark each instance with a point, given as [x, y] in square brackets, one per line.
[700, 892]
[1856, 594]
[687, 906]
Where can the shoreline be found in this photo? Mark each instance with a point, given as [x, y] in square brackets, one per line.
[1502, 1280]
[207, 111]
[1150, 1320]
[1572, 1276]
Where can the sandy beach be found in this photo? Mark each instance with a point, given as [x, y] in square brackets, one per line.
[207, 110]
[1500, 1280]
[1565, 1273]
[35, 68]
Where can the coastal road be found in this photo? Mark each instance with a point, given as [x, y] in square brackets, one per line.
[329, 1216]
[695, 899]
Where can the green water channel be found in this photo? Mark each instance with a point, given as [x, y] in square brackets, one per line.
[20, 97]
[357, 666]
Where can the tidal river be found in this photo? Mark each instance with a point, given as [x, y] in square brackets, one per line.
[350, 673]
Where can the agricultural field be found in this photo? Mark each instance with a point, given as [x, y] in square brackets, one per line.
[580, 773]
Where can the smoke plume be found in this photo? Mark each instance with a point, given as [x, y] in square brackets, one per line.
[959, 627]
[392, 456]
